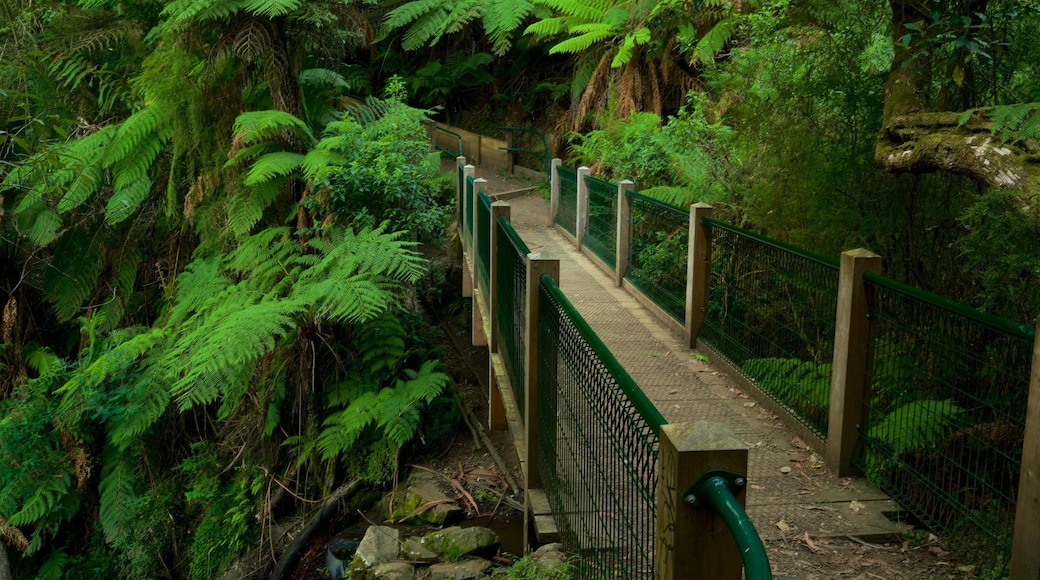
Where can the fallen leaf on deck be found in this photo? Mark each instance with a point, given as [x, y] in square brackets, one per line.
[785, 469]
[856, 506]
[797, 442]
[810, 544]
[783, 526]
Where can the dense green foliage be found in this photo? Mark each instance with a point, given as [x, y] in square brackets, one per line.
[209, 271]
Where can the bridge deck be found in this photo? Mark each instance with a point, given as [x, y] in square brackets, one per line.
[783, 503]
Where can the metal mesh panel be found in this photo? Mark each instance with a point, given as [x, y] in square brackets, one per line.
[567, 212]
[946, 415]
[657, 263]
[601, 234]
[599, 446]
[484, 243]
[467, 207]
[771, 313]
[511, 261]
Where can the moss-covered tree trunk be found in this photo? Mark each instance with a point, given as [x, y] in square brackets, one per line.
[915, 138]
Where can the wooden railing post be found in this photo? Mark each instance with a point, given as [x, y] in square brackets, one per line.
[476, 320]
[623, 247]
[431, 134]
[467, 280]
[693, 542]
[583, 207]
[698, 271]
[510, 156]
[498, 209]
[538, 263]
[849, 386]
[1025, 555]
[554, 190]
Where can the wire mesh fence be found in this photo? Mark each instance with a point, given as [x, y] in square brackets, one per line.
[599, 446]
[601, 233]
[946, 416]
[771, 311]
[484, 243]
[567, 211]
[511, 262]
[657, 262]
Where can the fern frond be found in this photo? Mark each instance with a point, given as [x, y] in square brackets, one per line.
[581, 43]
[428, 28]
[501, 18]
[132, 132]
[118, 495]
[252, 127]
[73, 273]
[271, 8]
[915, 424]
[43, 361]
[47, 494]
[272, 165]
[247, 208]
[146, 399]
[380, 346]
[199, 283]
[40, 224]
[715, 39]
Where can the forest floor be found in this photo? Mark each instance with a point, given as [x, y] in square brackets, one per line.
[916, 554]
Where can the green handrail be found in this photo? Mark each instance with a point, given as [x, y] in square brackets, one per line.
[444, 149]
[715, 489]
[543, 156]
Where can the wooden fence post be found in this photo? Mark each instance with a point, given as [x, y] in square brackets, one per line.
[583, 207]
[431, 134]
[498, 209]
[467, 280]
[693, 542]
[476, 320]
[510, 156]
[623, 247]
[554, 189]
[698, 271]
[1025, 551]
[538, 263]
[849, 386]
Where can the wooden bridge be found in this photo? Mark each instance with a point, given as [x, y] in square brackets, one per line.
[790, 491]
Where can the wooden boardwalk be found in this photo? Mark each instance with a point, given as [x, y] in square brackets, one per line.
[791, 492]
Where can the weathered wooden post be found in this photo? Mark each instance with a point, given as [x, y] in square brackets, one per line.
[623, 249]
[538, 263]
[849, 386]
[693, 542]
[1025, 551]
[698, 271]
[467, 172]
[554, 190]
[583, 207]
[431, 134]
[510, 156]
[476, 320]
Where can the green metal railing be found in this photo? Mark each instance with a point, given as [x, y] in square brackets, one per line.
[511, 262]
[542, 155]
[484, 244]
[599, 446]
[657, 262]
[445, 150]
[771, 313]
[946, 415]
[567, 212]
[601, 231]
[717, 489]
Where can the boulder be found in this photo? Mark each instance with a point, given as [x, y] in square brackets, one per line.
[455, 542]
[413, 551]
[422, 489]
[550, 556]
[392, 571]
[470, 569]
[380, 545]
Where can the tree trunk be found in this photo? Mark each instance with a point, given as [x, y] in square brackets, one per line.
[914, 139]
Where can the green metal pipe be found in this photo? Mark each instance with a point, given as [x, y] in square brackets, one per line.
[716, 492]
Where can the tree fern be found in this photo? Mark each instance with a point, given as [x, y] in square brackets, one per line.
[255, 126]
[1013, 123]
[73, 273]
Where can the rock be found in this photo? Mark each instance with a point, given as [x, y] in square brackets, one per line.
[5, 564]
[471, 569]
[413, 551]
[379, 546]
[392, 571]
[420, 489]
[455, 542]
[550, 556]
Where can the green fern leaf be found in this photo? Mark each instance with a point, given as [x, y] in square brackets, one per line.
[584, 41]
[271, 8]
[715, 39]
[73, 273]
[118, 496]
[915, 424]
[246, 208]
[268, 167]
[252, 127]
